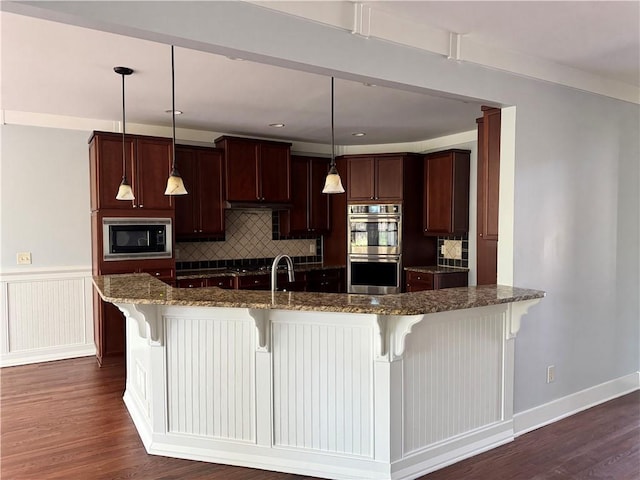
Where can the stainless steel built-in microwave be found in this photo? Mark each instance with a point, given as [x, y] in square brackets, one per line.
[136, 238]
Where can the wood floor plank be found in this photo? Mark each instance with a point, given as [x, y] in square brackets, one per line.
[66, 420]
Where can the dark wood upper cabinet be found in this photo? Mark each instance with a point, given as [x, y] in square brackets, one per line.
[374, 178]
[148, 164]
[256, 170]
[446, 193]
[201, 212]
[489, 126]
[309, 213]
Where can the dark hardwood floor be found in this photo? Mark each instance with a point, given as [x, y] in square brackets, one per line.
[66, 420]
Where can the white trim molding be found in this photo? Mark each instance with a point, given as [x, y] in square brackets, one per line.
[555, 410]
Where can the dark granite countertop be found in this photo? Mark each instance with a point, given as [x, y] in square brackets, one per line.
[437, 269]
[144, 289]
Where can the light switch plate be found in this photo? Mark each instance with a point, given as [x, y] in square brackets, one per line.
[24, 258]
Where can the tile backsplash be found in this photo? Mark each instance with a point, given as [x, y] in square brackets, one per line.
[248, 235]
[446, 248]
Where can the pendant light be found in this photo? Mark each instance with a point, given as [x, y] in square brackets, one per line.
[333, 184]
[175, 185]
[124, 191]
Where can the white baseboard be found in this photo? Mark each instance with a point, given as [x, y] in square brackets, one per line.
[46, 355]
[576, 402]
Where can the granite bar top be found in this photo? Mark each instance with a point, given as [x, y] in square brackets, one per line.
[226, 272]
[142, 288]
[436, 269]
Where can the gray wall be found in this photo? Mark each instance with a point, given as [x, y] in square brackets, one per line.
[44, 197]
[576, 175]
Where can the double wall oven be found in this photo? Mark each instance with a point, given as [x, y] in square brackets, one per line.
[374, 263]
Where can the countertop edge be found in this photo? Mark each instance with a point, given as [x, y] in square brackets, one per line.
[147, 290]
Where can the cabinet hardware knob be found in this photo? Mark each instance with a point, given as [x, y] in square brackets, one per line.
[480, 234]
[141, 205]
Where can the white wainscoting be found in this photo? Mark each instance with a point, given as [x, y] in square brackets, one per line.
[46, 315]
[323, 385]
[453, 377]
[210, 376]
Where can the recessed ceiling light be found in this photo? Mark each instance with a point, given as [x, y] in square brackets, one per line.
[236, 58]
[276, 125]
[178, 112]
[358, 134]
[369, 84]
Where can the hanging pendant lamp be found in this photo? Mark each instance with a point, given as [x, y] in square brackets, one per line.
[124, 190]
[175, 185]
[333, 184]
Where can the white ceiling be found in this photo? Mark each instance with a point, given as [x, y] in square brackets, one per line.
[61, 69]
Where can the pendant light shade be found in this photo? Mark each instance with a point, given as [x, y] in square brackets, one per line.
[333, 184]
[124, 190]
[175, 185]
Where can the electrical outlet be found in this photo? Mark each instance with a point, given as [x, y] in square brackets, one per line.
[24, 258]
[551, 373]
[312, 248]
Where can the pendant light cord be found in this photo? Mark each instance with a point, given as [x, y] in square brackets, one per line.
[173, 111]
[124, 163]
[333, 148]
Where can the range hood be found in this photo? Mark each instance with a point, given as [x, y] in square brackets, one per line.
[234, 205]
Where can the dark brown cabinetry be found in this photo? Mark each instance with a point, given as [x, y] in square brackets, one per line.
[109, 322]
[148, 164]
[309, 213]
[329, 280]
[419, 281]
[225, 281]
[446, 193]
[201, 212]
[375, 178]
[488, 194]
[320, 280]
[256, 170]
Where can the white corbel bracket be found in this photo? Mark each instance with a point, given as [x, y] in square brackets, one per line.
[146, 317]
[261, 320]
[392, 333]
[515, 312]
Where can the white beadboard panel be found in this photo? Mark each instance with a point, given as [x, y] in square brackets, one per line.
[46, 315]
[211, 377]
[452, 378]
[332, 410]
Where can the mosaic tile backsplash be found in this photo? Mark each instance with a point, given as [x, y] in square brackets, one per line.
[249, 235]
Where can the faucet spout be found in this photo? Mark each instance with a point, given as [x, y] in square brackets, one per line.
[274, 270]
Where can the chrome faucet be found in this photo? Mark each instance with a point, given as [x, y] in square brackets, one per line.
[274, 270]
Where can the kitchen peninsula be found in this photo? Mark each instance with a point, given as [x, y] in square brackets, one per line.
[329, 385]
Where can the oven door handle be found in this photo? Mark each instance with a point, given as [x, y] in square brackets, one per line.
[370, 218]
[374, 258]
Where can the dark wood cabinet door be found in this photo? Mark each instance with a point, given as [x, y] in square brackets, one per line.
[361, 179]
[438, 189]
[275, 173]
[446, 193]
[488, 192]
[296, 220]
[185, 205]
[106, 171]
[318, 201]
[153, 166]
[489, 175]
[388, 185]
[417, 281]
[241, 165]
[210, 192]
